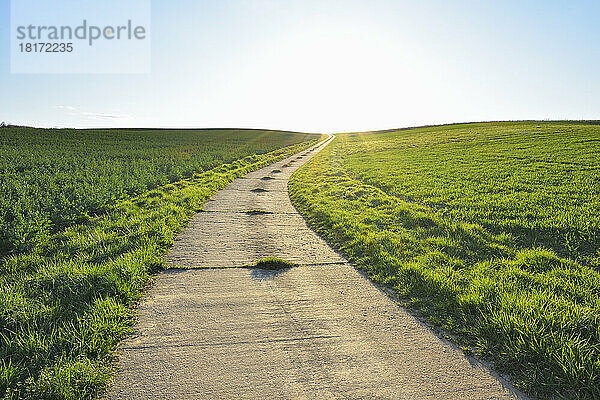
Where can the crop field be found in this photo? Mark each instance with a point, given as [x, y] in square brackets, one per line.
[51, 179]
[490, 232]
[86, 219]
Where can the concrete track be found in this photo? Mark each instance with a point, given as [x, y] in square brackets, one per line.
[317, 331]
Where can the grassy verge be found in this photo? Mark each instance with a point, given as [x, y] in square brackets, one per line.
[65, 304]
[426, 212]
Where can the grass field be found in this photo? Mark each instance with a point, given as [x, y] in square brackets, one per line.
[52, 179]
[87, 217]
[489, 231]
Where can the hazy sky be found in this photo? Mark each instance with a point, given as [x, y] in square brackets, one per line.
[332, 66]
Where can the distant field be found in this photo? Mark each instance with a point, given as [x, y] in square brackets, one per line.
[87, 217]
[51, 179]
[490, 231]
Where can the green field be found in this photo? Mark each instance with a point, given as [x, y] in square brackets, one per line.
[490, 231]
[52, 179]
[86, 219]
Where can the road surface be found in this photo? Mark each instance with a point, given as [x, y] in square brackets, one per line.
[317, 331]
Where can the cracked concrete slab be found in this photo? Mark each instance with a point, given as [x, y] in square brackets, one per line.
[318, 331]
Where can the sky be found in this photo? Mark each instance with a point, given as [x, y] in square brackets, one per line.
[331, 66]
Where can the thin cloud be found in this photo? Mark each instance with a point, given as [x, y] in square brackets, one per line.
[105, 116]
[73, 111]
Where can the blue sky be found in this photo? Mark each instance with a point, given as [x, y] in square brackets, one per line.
[331, 66]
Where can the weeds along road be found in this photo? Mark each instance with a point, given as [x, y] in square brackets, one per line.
[316, 331]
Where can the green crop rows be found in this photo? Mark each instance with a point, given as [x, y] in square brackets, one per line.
[489, 231]
[111, 203]
[51, 179]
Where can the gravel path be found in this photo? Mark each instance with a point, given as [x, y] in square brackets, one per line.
[317, 331]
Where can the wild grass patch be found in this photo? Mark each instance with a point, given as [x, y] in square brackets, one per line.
[273, 263]
[258, 212]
